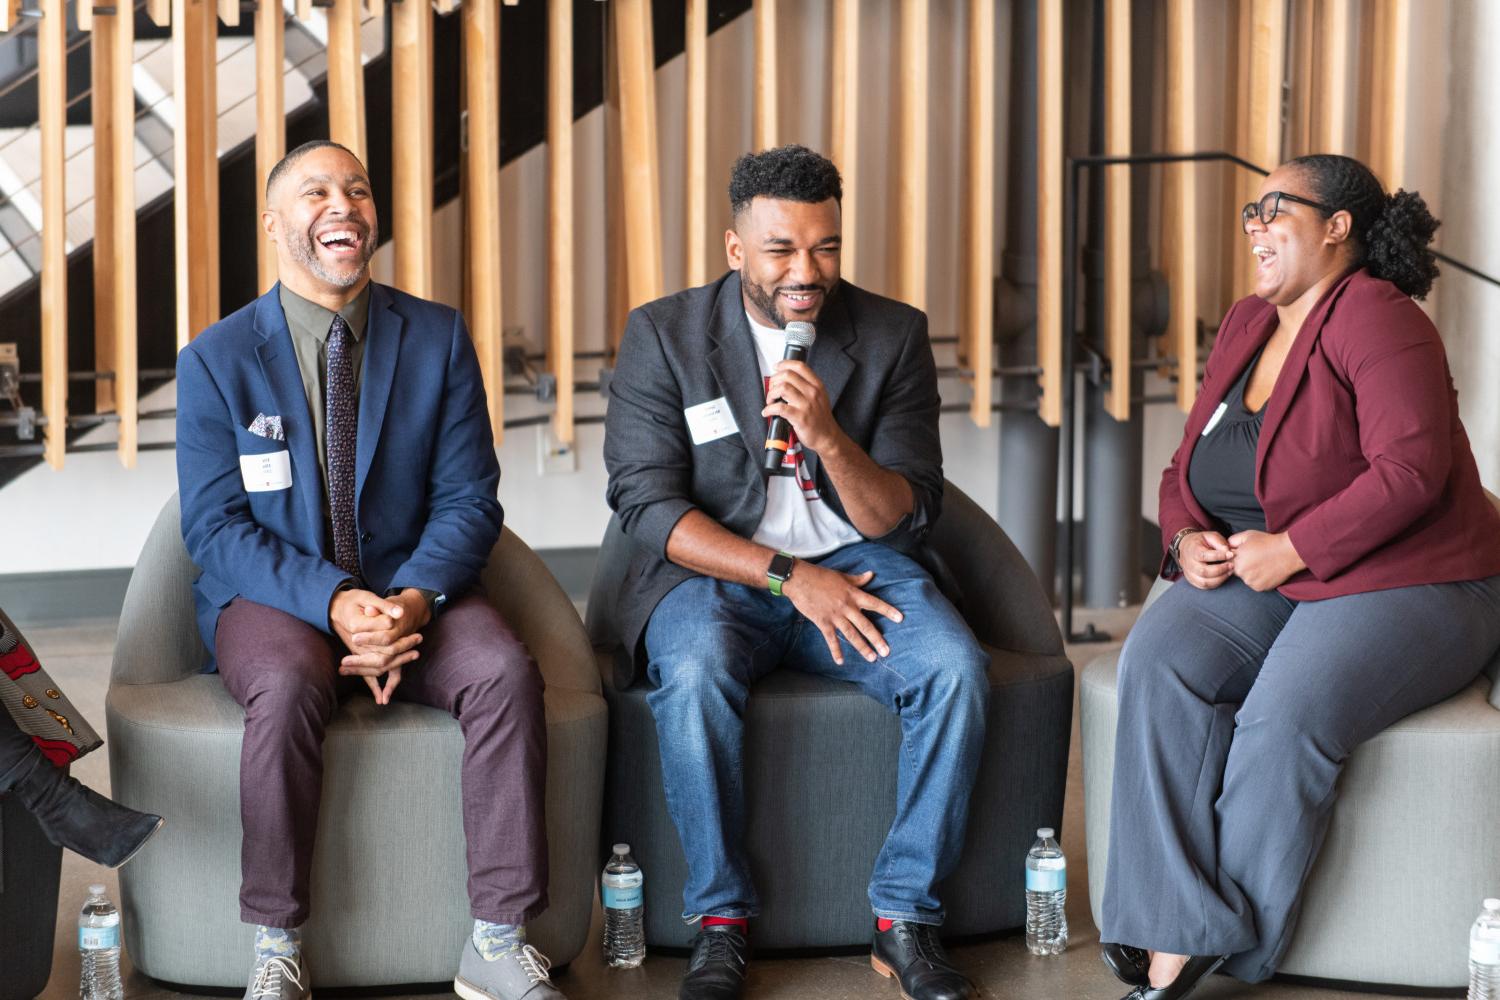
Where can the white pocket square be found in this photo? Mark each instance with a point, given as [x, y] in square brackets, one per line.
[267, 427]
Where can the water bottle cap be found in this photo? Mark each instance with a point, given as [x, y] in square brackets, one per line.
[96, 889]
[1044, 833]
[1492, 904]
[622, 848]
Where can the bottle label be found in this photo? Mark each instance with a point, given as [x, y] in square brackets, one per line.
[1484, 952]
[98, 938]
[1044, 880]
[623, 898]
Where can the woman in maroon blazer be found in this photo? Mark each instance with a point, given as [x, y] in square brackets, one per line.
[1337, 567]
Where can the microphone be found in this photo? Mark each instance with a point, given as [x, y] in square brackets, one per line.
[799, 341]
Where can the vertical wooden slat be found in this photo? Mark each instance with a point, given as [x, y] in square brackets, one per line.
[1334, 87]
[560, 210]
[102, 77]
[1241, 186]
[52, 83]
[1117, 207]
[83, 15]
[911, 254]
[375, 8]
[196, 162]
[10, 14]
[980, 221]
[695, 139]
[160, 12]
[616, 277]
[641, 186]
[844, 120]
[1392, 77]
[229, 11]
[304, 10]
[764, 130]
[1262, 125]
[481, 33]
[270, 116]
[346, 77]
[1049, 209]
[1304, 72]
[411, 144]
[1182, 240]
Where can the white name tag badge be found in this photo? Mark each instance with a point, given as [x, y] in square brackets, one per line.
[1213, 421]
[710, 421]
[264, 473]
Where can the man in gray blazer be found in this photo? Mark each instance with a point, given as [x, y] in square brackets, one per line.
[735, 572]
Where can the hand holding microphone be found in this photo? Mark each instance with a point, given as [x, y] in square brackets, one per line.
[799, 341]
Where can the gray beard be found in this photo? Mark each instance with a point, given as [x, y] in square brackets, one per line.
[300, 248]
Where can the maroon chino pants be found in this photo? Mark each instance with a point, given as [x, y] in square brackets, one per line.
[285, 674]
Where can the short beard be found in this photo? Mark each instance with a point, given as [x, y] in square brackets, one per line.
[765, 301]
[299, 246]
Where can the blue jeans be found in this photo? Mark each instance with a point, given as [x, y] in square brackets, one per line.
[708, 641]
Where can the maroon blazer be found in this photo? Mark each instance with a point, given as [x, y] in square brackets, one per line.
[1362, 458]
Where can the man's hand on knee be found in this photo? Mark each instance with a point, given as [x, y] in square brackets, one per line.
[836, 603]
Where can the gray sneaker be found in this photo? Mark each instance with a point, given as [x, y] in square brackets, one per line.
[516, 974]
[279, 978]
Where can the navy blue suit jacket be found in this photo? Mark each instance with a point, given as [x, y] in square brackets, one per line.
[425, 475]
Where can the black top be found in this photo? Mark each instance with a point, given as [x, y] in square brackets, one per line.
[1222, 472]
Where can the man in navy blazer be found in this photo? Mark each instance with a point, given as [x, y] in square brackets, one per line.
[338, 486]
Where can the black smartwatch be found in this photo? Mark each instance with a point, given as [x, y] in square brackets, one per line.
[779, 572]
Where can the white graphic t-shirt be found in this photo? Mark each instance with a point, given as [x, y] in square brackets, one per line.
[796, 521]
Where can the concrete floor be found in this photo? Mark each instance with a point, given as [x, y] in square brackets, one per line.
[78, 658]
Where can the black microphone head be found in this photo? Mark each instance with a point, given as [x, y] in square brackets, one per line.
[800, 334]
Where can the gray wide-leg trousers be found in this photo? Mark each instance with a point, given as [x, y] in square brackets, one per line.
[1237, 711]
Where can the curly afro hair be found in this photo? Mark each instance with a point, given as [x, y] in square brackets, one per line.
[1391, 232]
[789, 173]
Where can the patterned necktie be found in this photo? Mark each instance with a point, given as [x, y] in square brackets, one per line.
[341, 419]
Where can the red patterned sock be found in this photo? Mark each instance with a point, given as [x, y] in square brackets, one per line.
[882, 924]
[743, 923]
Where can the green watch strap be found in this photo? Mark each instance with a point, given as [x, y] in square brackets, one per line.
[779, 572]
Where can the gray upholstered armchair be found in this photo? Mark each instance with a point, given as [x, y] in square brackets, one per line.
[821, 762]
[390, 847]
[1377, 909]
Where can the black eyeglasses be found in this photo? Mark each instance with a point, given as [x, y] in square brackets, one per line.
[1265, 210]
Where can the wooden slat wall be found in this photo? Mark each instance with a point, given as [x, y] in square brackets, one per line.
[979, 278]
[640, 169]
[616, 275]
[10, 14]
[1331, 115]
[196, 162]
[763, 134]
[1392, 77]
[1304, 74]
[1117, 207]
[411, 144]
[481, 33]
[102, 78]
[560, 211]
[844, 125]
[52, 84]
[346, 77]
[695, 141]
[1241, 187]
[1049, 213]
[1181, 202]
[911, 196]
[160, 12]
[270, 117]
[229, 12]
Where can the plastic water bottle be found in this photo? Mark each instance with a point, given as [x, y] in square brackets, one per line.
[99, 948]
[1484, 953]
[1046, 896]
[624, 906]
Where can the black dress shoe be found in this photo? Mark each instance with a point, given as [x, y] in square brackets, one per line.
[1197, 969]
[913, 954]
[1131, 966]
[717, 969]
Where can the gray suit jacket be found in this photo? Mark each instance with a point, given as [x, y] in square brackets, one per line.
[874, 358]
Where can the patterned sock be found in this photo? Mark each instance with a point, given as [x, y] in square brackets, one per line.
[882, 924]
[285, 942]
[495, 940]
[742, 923]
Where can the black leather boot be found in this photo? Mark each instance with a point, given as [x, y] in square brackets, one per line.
[77, 817]
[717, 969]
[913, 954]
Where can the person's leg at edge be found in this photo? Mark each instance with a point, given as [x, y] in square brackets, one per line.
[706, 643]
[1186, 665]
[935, 680]
[1380, 656]
[473, 666]
[284, 673]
